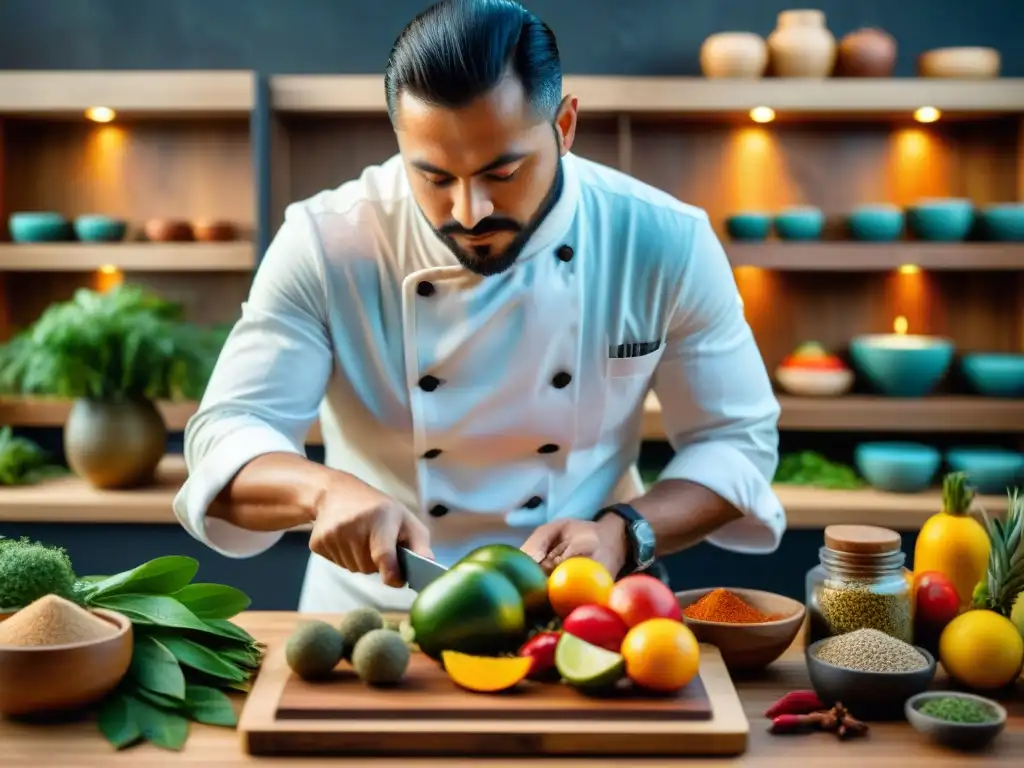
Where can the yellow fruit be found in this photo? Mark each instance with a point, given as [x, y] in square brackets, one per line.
[661, 655]
[1017, 614]
[982, 649]
[578, 581]
[485, 674]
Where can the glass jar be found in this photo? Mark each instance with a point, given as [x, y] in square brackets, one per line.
[860, 583]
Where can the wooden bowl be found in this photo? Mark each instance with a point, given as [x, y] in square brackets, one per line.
[210, 231]
[748, 647]
[168, 231]
[39, 680]
[966, 61]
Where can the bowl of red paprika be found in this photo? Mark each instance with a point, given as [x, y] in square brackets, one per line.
[751, 628]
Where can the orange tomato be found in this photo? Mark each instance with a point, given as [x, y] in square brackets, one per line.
[661, 655]
[578, 581]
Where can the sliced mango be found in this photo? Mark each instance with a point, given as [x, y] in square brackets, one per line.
[485, 674]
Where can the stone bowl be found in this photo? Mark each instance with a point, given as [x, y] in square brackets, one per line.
[990, 470]
[50, 679]
[96, 228]
[944, 220]
[995, 374]
[965, 736]
[748, 225]
[897, 467]
[1002, 222]
[876, 223]
[902, 365]
[39, 227]
[799, 223]
[748, 647]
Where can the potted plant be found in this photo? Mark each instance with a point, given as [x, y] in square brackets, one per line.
[114, 354]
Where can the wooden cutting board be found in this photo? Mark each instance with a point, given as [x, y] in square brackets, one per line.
[428, 714]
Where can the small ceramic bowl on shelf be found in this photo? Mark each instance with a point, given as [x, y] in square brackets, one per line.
[995, 374]
[990, 470]
[168, 231]
[941, 219]
[1002, 222]
[949, 733]
[213, 231]
[96, 228]
[809, 382]
[799, 222]
[737, 55]
[876, 223]
[39, 227]
[960, 61]
[748, 225]
[897, 467]
[902, 365]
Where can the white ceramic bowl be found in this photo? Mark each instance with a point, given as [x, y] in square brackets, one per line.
[807, 382]
[964, 61]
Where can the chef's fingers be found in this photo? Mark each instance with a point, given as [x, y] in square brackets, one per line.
[540, 542]
[382, 549]
[556, 555]
[415, 535]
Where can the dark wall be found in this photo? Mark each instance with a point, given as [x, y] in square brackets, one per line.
[651, 37]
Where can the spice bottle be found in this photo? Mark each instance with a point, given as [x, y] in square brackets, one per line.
[860, 583]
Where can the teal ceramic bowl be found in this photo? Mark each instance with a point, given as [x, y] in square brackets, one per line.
[96, 228]
[748, 225]
[39, 227]
[1003, 222]
[897, 467]
[989, 470]
[876, 223]
[902, 366]
[799, 223]
[942, 220]
[995, 374]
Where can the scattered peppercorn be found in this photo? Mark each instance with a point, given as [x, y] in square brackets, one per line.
[722, 606]
[955, 709]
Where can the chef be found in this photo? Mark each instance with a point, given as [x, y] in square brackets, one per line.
[477, 321]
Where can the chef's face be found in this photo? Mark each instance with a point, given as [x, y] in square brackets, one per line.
[487, 174]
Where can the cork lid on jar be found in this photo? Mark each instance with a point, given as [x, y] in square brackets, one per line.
[861, 539]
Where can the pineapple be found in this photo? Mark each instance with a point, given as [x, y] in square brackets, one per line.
[1004, 581]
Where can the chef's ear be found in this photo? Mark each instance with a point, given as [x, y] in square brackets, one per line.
[565, 123]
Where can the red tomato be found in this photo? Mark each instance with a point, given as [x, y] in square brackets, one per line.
[541, 650]
[597, 625]
[641, 597]
[936, 597]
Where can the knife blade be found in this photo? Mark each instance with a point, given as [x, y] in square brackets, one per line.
[418, 571]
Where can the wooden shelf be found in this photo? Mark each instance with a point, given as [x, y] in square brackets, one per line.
[237, 256]
[696, 96]
[135, 93]
[876, 257]
[71, 500]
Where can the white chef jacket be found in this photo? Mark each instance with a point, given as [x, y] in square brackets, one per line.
[489, 405]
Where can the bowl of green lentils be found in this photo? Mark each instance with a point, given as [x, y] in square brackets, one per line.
[871, 673]
[955, 719]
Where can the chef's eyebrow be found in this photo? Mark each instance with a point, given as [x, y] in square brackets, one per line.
[504, 159]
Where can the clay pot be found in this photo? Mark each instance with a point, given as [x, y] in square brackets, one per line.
[866, 52]
[213, 231]
[801, 45]
[734, 55]
[115, 445]
[962, 62]
[168, 230]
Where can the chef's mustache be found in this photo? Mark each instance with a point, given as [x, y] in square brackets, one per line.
[484, 227]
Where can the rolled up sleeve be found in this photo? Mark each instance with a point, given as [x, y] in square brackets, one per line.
[266, 388]
[718, 408]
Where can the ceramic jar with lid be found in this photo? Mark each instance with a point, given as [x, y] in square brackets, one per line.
[801, 45]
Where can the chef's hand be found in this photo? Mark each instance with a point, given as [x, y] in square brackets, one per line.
[359, 528]
[557, 541]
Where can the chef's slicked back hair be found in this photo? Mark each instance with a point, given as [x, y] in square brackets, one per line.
[457, 50]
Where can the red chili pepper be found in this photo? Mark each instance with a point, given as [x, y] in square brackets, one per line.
[797, 723]
[796, 703]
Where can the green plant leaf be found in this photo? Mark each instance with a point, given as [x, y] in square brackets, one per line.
[161, 576]
[117, 722]
[243, 657]
[202, 659]
[226, 628]
[159, 699]
[210, 706]
[156, 668]
[212, 601]
[157, 611]
[164, 728]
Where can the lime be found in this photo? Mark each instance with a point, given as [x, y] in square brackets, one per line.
[585, 665]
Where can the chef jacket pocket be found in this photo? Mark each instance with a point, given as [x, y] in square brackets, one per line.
[627, 381]
[631, 367]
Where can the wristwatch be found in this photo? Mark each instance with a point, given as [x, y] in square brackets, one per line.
[639, 534]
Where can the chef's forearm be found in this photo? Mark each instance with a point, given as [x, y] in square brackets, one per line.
[682, 513]
[274, 492]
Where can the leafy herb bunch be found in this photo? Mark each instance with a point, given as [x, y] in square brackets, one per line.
[123, 344]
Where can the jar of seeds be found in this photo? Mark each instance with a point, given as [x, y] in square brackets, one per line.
[859, 584]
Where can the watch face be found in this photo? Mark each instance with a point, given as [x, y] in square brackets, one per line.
[643, 536]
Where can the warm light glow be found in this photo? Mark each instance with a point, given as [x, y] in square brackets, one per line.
[909, 269]
[100, 114]
[106, 277]
[108, 269]
[927, 115]
[762, 114]
[900, 325]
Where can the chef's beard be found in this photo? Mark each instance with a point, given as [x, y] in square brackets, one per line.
[481, 259]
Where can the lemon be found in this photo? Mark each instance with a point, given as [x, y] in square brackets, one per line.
[982, 649]
[1017, 614]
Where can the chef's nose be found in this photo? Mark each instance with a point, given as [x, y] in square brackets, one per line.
[472, 204]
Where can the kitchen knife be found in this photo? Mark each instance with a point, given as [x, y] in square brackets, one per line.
[418, 571]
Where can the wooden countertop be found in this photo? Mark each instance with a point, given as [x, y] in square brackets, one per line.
[71, 500]
[80, 744]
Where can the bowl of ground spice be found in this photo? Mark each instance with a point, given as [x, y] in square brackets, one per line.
[870, 672]
[955, 719]
[749, 627]
[56, 656]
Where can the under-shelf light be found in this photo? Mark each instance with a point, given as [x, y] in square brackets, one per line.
[762, 114]
[909, 269]
[100, 114]
[927, 114]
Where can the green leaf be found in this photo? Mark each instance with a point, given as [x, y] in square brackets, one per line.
[226, 628]
[198, 657]
[155, 667]
[210, 706]
[164, 728]
[161, 576]
[213, 601]
[159, 699]
[157, 611]
[117, 722]
[242, 657]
